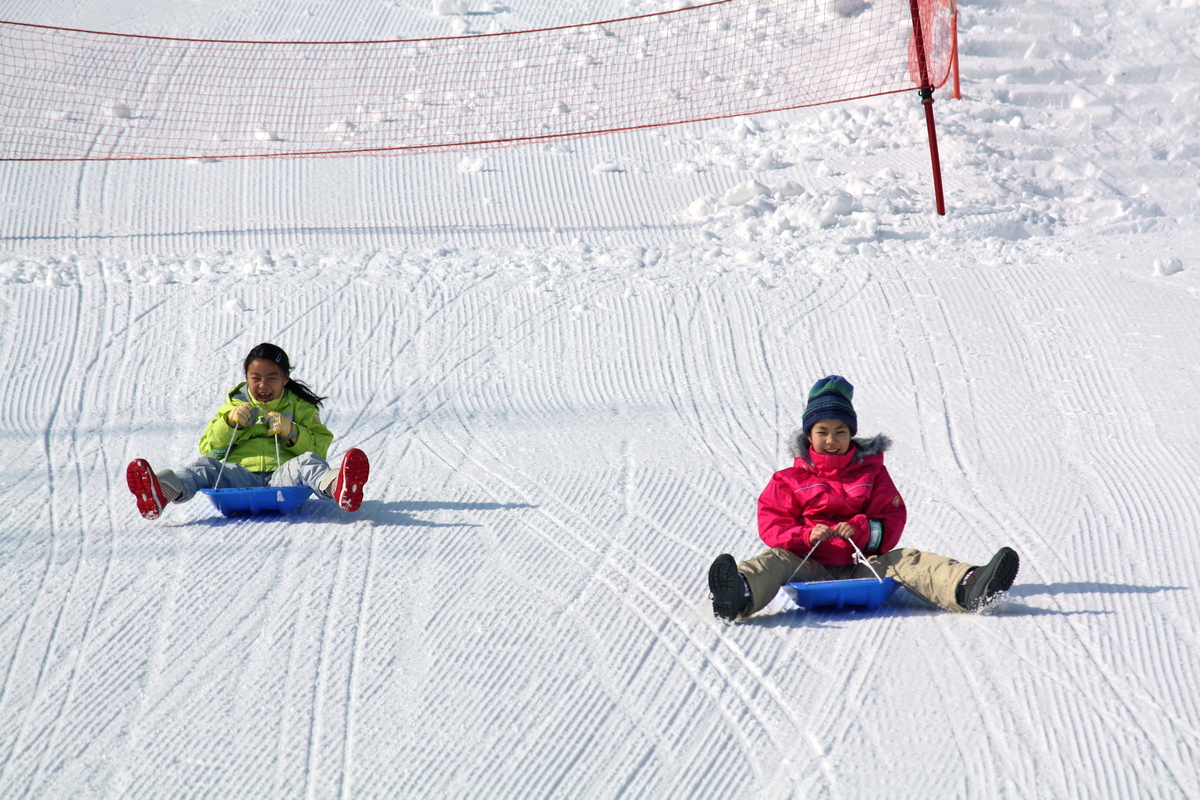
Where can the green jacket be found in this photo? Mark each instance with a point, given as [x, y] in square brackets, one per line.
[253, 447]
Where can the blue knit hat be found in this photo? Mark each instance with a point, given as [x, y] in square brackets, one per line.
[830, 398]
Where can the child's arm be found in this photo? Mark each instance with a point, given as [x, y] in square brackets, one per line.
[215, 439]
[886, 509]
[780, 518]
[311, 434]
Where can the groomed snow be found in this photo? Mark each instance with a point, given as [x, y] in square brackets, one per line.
[574, 368]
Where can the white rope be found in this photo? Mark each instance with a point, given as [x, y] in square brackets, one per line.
[232, 436]
[228, 447]
[861, 558]
[801, 564]
[864, 560]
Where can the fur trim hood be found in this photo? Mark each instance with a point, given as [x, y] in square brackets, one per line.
[798, 445]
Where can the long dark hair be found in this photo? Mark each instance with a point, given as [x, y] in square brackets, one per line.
[271, 352]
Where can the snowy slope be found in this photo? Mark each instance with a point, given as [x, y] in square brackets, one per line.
[573, 383]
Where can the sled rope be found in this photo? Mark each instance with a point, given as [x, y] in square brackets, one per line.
[228, 447]
[864, 560]
[801, 564]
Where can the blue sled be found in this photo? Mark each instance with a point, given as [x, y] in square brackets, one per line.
[281, 499]
[866, 593]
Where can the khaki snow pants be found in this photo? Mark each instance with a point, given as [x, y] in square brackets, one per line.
[929, 576]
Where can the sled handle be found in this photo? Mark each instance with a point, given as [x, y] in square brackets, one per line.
[863, 559]
[278, 463]
[228, 447]
[811, 550]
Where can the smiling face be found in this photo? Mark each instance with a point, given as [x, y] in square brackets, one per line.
[830, 437]
[265, 380]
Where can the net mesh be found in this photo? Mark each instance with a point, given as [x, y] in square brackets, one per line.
[82, 95]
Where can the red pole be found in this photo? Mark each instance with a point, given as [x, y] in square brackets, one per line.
[954, 53]
[926, 91]
[939, 198]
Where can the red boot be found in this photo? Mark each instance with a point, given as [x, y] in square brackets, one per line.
[348, 492]
[144, 484]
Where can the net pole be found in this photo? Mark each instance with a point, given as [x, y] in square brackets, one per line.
[954, 49]
[926, 92]
[939, 197]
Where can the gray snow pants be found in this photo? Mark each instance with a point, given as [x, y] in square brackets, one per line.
[306, 469]
[929, 576]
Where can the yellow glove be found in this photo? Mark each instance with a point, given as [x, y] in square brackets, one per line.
[281, 425]
[242, 416]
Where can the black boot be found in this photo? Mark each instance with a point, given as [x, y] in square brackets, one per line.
[730, 596]
[984, 583]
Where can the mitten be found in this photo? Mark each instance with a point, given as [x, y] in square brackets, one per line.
[281, 425]
[242, 416]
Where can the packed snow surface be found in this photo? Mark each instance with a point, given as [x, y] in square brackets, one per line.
[574, 367]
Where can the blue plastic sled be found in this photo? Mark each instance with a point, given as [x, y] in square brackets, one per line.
[866, 593]
[257, 500]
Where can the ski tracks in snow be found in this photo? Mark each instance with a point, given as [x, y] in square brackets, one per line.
[555, 463]
[585, 524]
[51, 614]
[563, 437]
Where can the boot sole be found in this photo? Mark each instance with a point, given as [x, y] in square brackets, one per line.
[355, 471]
[725, 584]
[144, 484]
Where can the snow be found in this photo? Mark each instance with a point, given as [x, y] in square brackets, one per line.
[574, 366]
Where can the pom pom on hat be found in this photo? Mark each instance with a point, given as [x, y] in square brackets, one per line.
[831, 398]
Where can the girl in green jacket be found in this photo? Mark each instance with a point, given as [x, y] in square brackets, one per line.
[267, 433]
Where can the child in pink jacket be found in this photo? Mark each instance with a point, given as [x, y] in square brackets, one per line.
[837, 501]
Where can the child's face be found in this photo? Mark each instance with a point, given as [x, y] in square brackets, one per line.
[265, 380]
[831, 437]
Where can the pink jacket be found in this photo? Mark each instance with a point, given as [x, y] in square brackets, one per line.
[853, 488]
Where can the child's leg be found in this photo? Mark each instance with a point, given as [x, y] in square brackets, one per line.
[771, 569]
[929, 576]
[202, 474]
[152, 490]
[344, 485]
[306, 469]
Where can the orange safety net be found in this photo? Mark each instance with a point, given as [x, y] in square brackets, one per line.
[71, 95]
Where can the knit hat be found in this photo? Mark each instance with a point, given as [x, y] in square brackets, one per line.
[830, 398]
